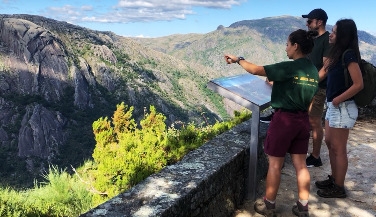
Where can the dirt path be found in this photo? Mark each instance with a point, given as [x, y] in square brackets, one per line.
[360, 181]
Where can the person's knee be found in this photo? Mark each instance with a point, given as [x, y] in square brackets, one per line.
[299, 161]
[300, 168]
[338, 151]
[275, 167]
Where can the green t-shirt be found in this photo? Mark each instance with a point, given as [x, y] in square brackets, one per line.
[320, 50]
[294, 83]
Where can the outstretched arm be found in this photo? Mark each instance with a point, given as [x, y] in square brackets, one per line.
[249, 67]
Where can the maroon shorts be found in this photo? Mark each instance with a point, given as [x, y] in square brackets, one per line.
[288, 132]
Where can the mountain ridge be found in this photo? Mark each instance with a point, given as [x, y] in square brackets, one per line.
[260, 40]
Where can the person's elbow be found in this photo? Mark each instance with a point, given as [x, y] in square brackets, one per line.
[322, 75]
[359, 86]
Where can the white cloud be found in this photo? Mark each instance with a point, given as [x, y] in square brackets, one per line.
[127, 11]
[86, 7]
[67, 9]
[177, 4]
[141, 36]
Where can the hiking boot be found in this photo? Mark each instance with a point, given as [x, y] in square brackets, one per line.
[325, 184]
[311, 161]
[265, 208]
[334, 192]
[300, 210]
[266, 119]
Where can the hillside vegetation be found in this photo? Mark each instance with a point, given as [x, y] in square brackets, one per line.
[56, 79]
[126, 152]
[260, 41]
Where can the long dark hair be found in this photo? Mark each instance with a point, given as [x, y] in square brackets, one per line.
[346, 38]
[304, 39]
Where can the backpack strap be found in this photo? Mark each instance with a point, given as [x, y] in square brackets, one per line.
[345, 70]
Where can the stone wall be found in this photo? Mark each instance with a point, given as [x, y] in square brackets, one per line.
[209, 181]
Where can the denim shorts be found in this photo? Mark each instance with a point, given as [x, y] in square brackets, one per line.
[343, 116]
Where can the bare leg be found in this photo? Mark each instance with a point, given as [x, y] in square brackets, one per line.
[338, 154]
[302, 175]
[273, 178]
[328, 135]
[317, 135]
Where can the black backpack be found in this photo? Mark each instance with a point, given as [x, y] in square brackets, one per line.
[368, 93]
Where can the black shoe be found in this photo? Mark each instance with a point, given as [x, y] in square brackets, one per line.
[334, 192]
[325, 184]
[311, 161]
[300, 210]
[266, 119]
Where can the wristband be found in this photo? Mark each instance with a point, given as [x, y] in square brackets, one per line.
[240, 58]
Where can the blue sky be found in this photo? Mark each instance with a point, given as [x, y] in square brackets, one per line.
[156, 18]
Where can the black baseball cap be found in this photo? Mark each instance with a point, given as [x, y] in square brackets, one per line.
[318, 14]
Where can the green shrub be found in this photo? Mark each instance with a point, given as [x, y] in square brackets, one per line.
[60, 195]
[12, 203]
[124, 155]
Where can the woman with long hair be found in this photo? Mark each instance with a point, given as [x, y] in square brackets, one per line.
[342, 111]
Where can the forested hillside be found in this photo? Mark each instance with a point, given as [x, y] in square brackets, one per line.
[56, 79]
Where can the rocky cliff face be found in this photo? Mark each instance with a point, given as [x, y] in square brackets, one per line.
[34, 63]
[35, 59]
[56, 78]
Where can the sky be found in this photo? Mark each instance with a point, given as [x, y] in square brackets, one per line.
[157, 18]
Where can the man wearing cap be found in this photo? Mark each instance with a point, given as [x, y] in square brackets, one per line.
[316, 20]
